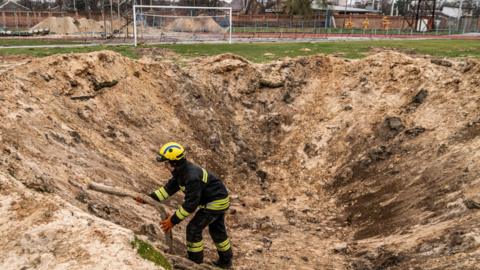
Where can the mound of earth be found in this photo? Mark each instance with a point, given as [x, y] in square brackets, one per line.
[68, 25]
[90, 25]
[332, 163]
[46, 232]
[58, 25]
[201, 24]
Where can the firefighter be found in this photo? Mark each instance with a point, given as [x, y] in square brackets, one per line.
[202, 190]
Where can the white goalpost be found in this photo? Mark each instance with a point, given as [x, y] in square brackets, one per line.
[177, 24]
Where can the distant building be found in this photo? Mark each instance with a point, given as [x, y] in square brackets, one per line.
[453, 12]
[343, 3]
[11, 5]
[342, 9]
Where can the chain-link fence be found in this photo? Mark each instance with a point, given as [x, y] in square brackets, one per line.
[365, 25]
[118, 24]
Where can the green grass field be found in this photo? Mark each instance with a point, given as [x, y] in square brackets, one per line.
[128, 51]
[262, 52]
[35, 42]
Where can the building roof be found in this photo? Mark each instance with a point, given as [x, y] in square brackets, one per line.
[11, 5]
[342, 9]
[451, 11]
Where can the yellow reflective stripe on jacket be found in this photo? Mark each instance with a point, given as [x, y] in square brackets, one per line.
[223, 246]
[195, 246]
[204, 176]
[161, 194]
[221, 204]
[181, 213]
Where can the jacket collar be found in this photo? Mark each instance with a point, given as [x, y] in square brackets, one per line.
[180, 166]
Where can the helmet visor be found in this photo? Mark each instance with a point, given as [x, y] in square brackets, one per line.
[161, 158]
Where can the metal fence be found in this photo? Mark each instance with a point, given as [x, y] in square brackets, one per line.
[318, 25]
[344, 31]
[108, 25]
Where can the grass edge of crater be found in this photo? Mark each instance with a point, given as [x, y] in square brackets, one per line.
[148, 252]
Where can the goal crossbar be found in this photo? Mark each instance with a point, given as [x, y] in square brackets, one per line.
[229, 9]
[182, 7]
[186, 16]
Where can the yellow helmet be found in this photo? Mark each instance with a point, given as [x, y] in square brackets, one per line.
[171, 151]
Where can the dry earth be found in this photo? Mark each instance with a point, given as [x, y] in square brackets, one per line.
[203, 24]
[332, 163]
[68, 25]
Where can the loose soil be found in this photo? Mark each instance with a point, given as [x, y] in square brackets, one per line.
[68, 25]
[203, 24]
[331, 163]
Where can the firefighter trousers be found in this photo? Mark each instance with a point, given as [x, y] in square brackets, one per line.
[215, 220]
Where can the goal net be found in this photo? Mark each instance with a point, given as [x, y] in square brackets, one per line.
[177, 24]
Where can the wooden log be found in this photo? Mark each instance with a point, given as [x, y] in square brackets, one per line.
[128, 193]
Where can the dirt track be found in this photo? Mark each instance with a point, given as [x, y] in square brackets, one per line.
[332, 163]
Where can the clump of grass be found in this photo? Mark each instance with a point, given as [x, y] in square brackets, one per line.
[148, 252]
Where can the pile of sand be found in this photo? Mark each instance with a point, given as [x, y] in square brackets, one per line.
[89, 25]
[194, 25]
[69, 25]
[58, 25]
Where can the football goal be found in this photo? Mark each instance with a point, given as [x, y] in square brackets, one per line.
[181, 24]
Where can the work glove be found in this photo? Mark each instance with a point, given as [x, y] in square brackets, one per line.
[166, 224]
[140, 200]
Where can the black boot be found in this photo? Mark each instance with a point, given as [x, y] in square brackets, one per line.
[223, 264]
[196, 257]
[225, 259]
